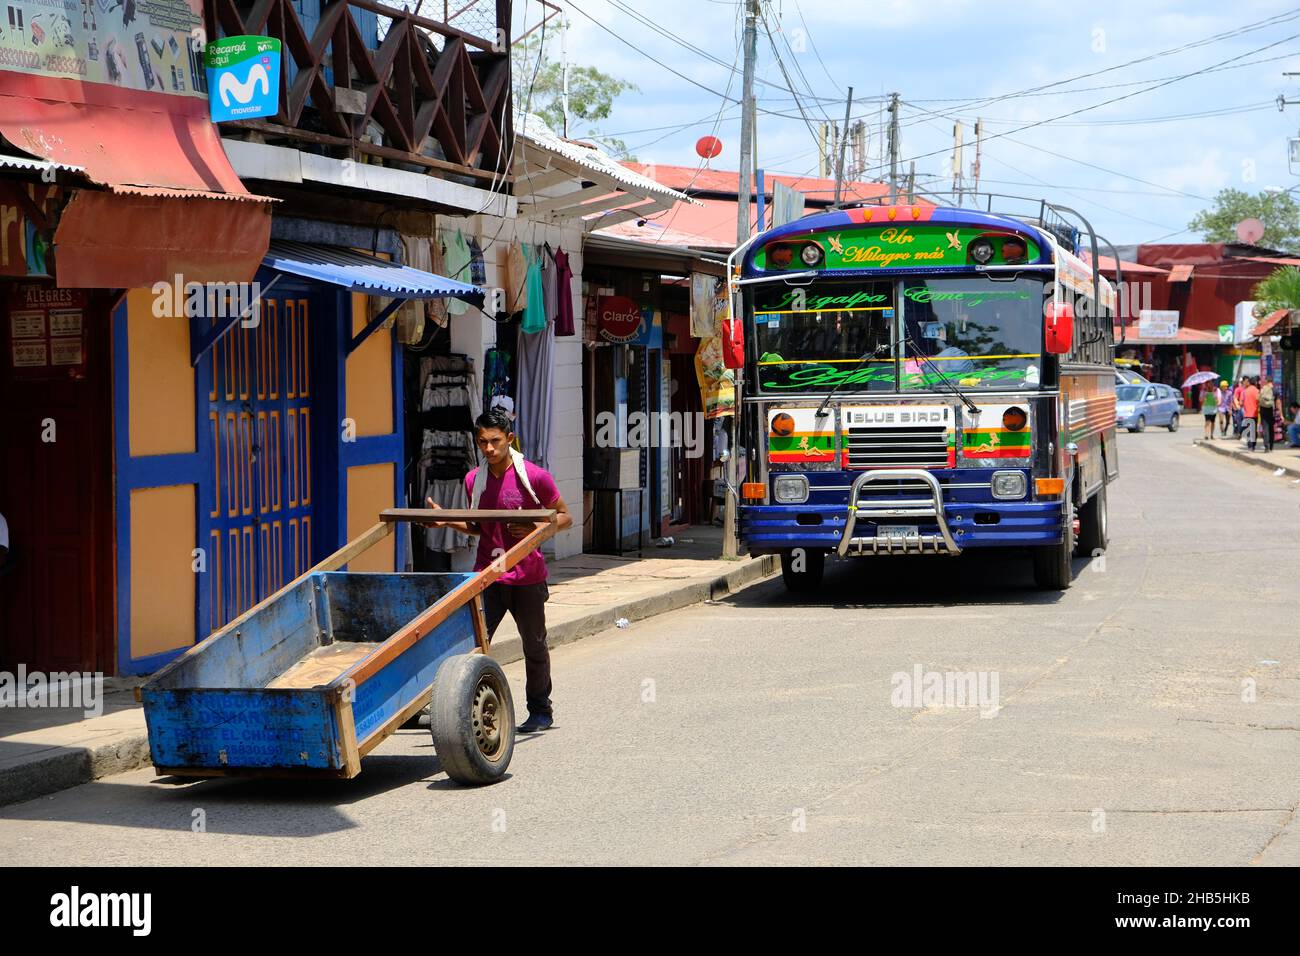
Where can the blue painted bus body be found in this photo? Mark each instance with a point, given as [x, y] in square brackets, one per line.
[213, 710]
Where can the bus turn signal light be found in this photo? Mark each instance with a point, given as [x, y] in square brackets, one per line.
[753, 491]
[1049, 486]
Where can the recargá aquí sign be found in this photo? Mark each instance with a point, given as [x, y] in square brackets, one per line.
[243, 77]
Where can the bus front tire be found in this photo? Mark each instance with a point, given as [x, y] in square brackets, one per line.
[803, 575]
[1094, 535]
[1052, 570]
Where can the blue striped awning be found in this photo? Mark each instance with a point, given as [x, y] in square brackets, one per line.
[363, 273]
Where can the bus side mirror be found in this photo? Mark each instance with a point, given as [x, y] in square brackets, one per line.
[1058, 327]
[733, 344]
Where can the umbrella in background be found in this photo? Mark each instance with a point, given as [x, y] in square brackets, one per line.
[1200, 377]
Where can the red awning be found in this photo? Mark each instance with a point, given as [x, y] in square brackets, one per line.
[1269, 322]
[121, 137]
[1180, 273]
[130, 241]
[174, 203]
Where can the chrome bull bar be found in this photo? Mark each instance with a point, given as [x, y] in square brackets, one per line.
[897, 509]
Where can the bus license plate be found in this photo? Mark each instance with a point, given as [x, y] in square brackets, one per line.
[896, 530]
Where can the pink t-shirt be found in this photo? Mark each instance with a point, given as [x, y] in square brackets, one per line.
[507, 493]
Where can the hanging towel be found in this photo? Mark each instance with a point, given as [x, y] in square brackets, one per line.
[536, 373]
[563, 294]
[481, 473]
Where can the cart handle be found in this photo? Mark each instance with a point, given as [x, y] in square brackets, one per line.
[419, 515]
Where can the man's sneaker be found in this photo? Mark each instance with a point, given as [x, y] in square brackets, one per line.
[536, 723]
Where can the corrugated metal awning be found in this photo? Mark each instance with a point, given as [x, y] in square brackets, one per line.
[1269, 323]
[32, 165]
[363, 273]
[1180, 273]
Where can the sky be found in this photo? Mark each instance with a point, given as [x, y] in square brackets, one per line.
[1138, 168]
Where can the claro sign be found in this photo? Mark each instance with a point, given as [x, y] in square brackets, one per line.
[618, 319]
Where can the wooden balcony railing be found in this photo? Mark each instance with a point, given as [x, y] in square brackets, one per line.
[430, 95]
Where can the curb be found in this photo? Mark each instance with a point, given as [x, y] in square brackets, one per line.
[1248, 458]
[67, 767]
[510, 649]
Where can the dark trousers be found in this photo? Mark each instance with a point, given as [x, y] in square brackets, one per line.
[1266, 427]
[527, 605]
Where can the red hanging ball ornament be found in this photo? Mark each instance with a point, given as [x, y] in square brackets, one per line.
[708, 146]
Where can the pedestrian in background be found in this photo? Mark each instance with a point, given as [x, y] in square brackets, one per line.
[1224, 395]
[1266, 413]
[1250, 413]
[1210, 409]
[1292, 423]
[1236, 406]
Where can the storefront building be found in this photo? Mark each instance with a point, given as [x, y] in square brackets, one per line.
[238, 413]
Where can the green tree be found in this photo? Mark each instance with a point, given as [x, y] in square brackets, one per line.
[539, 88]
[1281, 290]
[1278, 211]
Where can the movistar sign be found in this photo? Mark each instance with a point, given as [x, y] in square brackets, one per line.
[243, 77]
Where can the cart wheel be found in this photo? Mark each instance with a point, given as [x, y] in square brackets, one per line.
[472, 719]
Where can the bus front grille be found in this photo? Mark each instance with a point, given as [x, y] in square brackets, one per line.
[908, 446]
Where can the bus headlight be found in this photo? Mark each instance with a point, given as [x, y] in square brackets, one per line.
[1009, 484]
[790, 489]
[981, 250]
[811, 254]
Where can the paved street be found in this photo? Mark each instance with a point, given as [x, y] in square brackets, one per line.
[761, 729]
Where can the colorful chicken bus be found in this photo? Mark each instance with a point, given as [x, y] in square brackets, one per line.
[922, 380]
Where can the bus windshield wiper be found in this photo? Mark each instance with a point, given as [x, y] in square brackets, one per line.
[866, 357]
[974, 409]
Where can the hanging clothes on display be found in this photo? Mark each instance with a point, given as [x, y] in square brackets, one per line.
[449, 404]
[496, 375]
[563, 294]
[533, 420]
[477, 265]
[703, 325]
[548, 282]
[436, 309]
[535, 306]
[516, 278]
[457, 264]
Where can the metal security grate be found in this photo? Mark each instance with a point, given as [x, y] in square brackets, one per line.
[913, 446]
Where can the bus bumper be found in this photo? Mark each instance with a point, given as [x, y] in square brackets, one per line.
[769, 529]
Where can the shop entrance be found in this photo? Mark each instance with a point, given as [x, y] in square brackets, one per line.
[56, 591]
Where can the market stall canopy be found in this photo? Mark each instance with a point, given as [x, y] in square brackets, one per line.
[360, 272]
[562, 179]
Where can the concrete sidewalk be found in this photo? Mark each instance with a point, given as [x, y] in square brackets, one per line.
[46, 750]
[1282, 456]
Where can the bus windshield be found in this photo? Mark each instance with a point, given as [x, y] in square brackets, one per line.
[972, 331]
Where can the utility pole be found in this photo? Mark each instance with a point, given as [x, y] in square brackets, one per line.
[893, 148]
[911, 183]
[564, 74]
[844, 139]
[975, 170]
[742, 235]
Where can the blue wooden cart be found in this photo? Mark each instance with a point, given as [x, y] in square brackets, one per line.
[313, 678]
